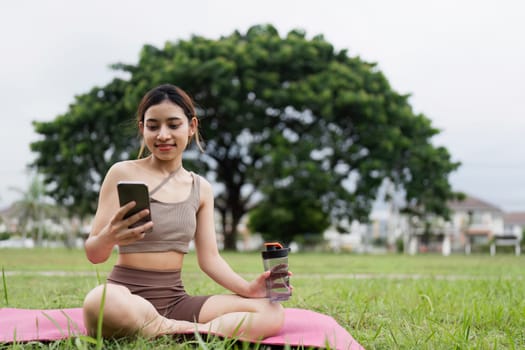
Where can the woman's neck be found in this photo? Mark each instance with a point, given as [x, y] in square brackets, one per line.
[165, 166]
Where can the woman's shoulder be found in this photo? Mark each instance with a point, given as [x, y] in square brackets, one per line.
[204, 185]
[123, 165]
[202, 180]
[123, 169]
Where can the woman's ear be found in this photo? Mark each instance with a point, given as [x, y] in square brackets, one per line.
[141, 128]
[194, 125]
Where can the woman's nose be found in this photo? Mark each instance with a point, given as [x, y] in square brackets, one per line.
[163, 133]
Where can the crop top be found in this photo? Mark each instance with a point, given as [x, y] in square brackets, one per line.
[174, 223]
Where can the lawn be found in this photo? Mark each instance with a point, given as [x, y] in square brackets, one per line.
[384, 301]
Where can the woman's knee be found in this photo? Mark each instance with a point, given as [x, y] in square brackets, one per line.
[91, 309]
[270, 316]
[116, 317]
[273, 308]
[92, 302]
[270, 319]
[275, 312]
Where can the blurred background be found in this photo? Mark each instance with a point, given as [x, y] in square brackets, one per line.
[461, 63]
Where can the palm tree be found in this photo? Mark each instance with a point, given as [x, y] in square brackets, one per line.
[33, 207]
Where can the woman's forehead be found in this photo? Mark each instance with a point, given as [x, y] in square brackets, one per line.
[164, 110]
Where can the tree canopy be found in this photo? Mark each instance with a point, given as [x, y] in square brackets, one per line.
[299, 132]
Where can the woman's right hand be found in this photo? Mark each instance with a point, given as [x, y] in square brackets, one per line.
[119, 229]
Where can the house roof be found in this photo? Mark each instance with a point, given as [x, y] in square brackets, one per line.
[514, 218]
[9, 211]
[473, 203]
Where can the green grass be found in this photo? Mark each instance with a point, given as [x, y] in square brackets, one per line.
[386, 302]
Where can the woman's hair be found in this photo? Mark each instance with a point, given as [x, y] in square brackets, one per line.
[173, 94]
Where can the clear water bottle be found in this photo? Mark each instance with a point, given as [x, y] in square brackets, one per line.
[275, 260]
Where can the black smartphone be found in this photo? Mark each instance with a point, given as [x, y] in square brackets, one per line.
[134, 191]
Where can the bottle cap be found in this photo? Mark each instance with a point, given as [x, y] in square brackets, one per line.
[273, 245]
[274, 250]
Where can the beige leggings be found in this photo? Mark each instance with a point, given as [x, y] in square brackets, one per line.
[164, 289]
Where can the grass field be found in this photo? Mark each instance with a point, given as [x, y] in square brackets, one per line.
[384, 301]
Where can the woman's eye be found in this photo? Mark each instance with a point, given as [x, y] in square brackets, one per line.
[152, 127]
[174, 126]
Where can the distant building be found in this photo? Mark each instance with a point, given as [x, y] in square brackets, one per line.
[474, 221]
[514, 223]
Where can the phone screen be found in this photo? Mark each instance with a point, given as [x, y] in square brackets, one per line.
[134, 191]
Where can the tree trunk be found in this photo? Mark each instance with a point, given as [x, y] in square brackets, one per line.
[230, 221]
[230, 240]
[40, 230]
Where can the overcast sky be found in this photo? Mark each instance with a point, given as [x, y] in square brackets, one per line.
[463, 62]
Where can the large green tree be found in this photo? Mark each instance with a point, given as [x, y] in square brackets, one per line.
[283, 118]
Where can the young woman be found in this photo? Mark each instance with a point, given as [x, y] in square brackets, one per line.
[144, 292]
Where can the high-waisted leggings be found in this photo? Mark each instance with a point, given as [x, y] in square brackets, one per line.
[164, 289]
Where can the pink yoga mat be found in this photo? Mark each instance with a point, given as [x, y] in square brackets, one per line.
[301, 328]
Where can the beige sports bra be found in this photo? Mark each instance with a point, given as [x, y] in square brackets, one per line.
[174, 223]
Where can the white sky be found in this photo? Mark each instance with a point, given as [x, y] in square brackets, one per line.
[462, 61]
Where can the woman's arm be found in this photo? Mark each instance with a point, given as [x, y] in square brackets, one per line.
[109, 227]
[208, 255]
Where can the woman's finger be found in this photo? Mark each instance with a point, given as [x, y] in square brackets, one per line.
[123, 210]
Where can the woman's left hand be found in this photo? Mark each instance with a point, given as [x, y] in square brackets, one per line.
[257, 288]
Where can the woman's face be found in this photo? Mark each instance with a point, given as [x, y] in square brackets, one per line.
[167, 130]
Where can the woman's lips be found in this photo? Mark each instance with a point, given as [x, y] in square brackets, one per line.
[164, 147]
